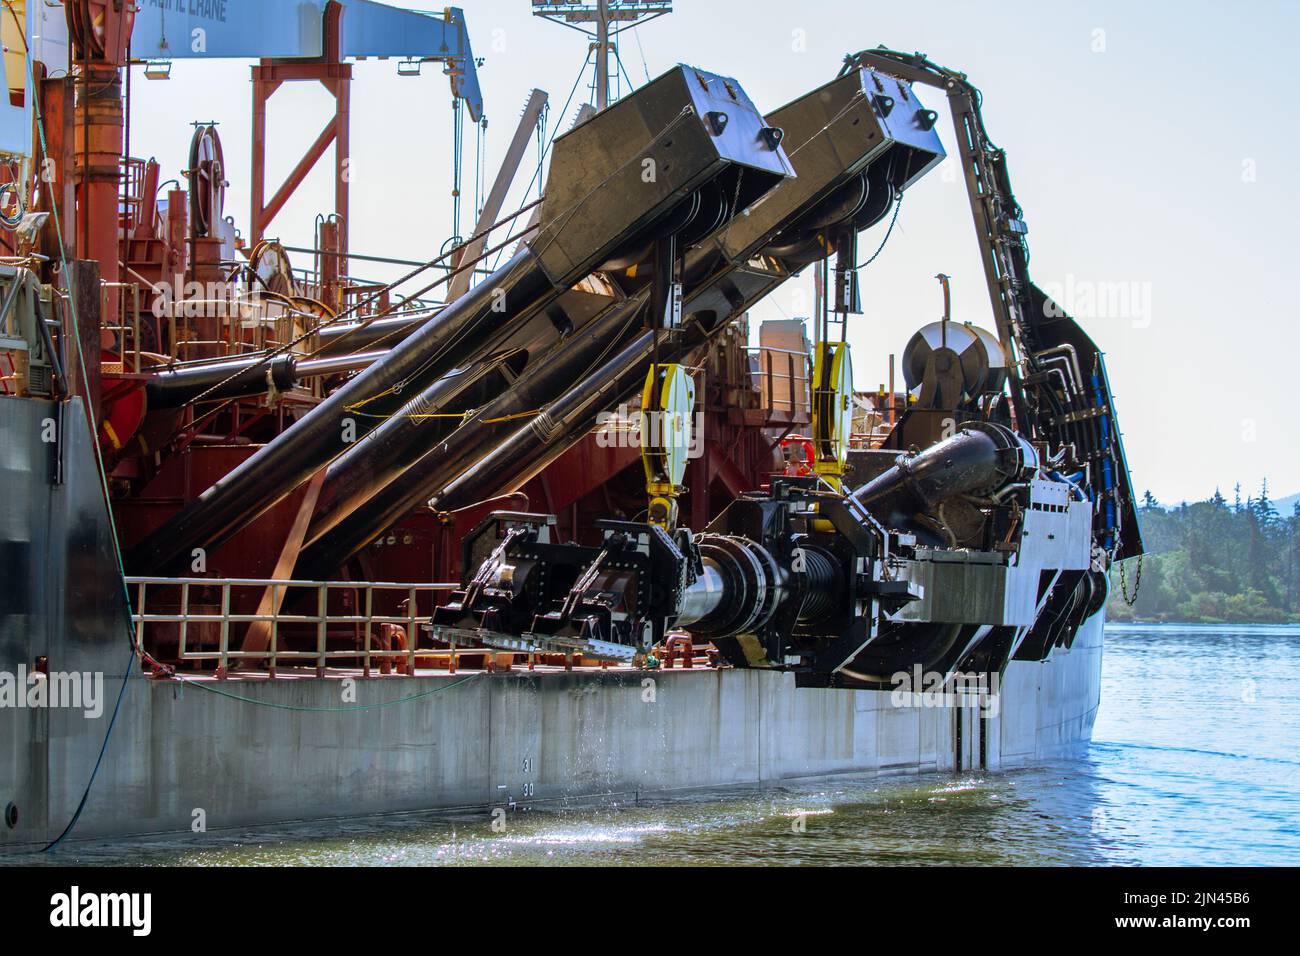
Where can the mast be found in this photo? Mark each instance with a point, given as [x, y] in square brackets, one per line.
[602, 54]
[598, 20]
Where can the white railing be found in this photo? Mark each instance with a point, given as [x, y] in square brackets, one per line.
[269, 615]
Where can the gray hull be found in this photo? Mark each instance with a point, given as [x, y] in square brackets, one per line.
[286, 751]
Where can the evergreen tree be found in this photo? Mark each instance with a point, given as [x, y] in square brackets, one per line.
[1293, 559]
[1214, 562]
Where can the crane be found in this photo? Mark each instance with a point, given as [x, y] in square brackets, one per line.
[295, 40]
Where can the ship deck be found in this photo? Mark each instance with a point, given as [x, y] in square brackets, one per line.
[488, 663]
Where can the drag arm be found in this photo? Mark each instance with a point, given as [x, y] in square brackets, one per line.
[1035, 332]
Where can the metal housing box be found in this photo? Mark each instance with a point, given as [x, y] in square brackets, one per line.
[659, 144]
[832, 133]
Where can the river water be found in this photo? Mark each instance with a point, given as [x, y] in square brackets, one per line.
[1195, 760]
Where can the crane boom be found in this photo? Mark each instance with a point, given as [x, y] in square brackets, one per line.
[295, 29]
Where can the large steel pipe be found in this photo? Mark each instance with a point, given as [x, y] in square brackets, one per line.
[982, 459]
[237, 378]
[614, 180]
[245, 378]
[296, 454]
[744, 585]
[373, 462]
[340, 531]
[353, 336]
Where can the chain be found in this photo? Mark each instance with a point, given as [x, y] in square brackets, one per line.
[1130, 600]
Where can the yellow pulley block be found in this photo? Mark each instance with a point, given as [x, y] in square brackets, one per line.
[832, 410]
[667, 403]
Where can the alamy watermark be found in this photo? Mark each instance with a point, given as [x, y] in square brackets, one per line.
[76, 909]
[37, 690]
[929, 689]
[626, 428]
[1089, 299]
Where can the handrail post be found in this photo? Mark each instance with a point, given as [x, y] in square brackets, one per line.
[770, 400]
[135, 313]
[272, 661]
[223, 669]
[790, 360]
[411, 608]
[139, 619]
[185, 618]
[370, 609]
[322, 606]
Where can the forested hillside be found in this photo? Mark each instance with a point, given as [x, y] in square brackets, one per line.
[1213, 561]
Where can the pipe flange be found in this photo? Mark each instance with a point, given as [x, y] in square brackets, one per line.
[745, 582]
[772, 592]
[753, 585]
[1017, 459]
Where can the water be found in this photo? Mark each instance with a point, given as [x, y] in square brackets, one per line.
[1194, 761]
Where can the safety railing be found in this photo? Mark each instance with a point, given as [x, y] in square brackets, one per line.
[221, 599]
[125, 299]
[311, 285]
[793, 395]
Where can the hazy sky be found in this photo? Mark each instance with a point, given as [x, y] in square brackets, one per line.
[1153, 147]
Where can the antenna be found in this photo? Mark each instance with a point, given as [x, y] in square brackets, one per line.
[602, 15]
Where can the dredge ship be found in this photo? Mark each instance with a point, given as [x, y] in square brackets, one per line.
[503, 536]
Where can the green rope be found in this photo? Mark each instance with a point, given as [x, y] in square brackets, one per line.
[325, 710]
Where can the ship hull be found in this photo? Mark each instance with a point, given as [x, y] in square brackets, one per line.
[245, 753]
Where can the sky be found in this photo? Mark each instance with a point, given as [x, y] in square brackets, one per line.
[1153, 147]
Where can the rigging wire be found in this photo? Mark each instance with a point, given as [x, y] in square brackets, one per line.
[457, 155]
[541, 159]
[618, 60]
[636, 35]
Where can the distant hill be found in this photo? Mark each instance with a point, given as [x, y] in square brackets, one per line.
[1284, 506]
[1214, 561]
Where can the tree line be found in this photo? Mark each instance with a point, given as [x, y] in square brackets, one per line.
[1212, 562]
